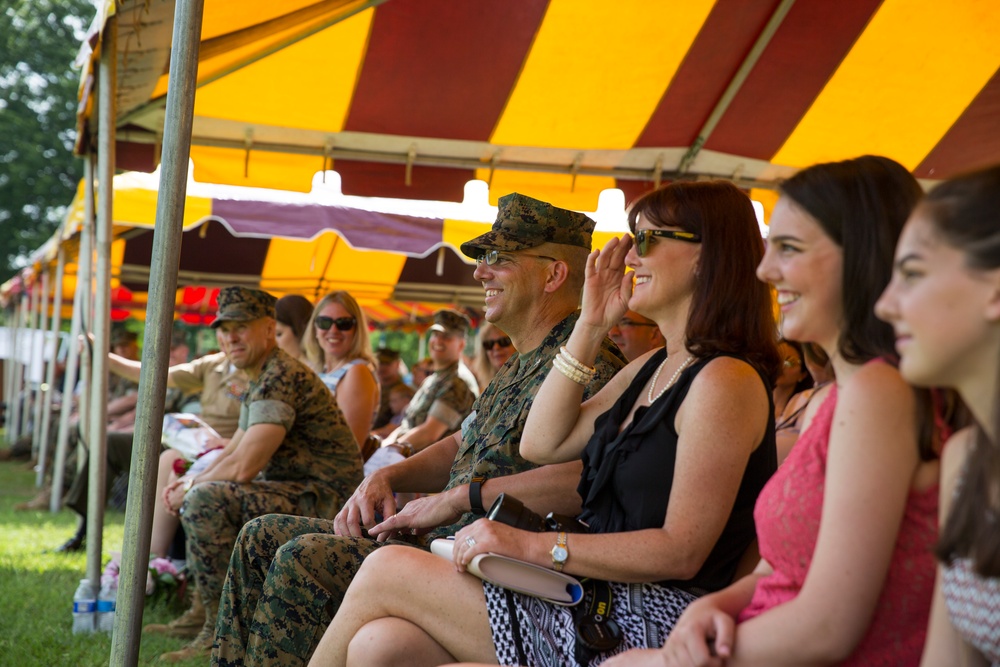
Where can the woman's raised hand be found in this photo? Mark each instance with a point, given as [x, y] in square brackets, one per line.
[607, 288]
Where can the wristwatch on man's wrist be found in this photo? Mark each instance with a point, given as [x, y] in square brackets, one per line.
[560, 553]
[476, 496]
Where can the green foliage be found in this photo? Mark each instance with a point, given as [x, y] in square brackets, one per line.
[37, 588]
[38, 98]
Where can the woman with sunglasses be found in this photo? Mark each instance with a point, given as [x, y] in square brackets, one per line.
[493, 349]
[338, 348]
[675, 449]
[944, 304]
[846, 524]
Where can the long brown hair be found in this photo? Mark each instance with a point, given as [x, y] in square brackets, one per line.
[731, 311]
[965, 213]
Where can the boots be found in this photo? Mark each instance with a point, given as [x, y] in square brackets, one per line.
[39, 502]
[201, 645]
[185, 626]
[76, 542]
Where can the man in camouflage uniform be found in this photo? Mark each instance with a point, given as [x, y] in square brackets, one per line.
[293, 452]
[389, 375]
[446, 397]
[287, 576]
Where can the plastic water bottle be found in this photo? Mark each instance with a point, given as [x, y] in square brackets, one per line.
[106, 604]
[84, 608]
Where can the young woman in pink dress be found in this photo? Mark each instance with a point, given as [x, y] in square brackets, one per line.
[847, 523]
[944, 303]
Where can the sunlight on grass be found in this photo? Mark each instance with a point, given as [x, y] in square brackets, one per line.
[37, 587]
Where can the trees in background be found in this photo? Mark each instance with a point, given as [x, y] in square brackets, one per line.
[38, 98]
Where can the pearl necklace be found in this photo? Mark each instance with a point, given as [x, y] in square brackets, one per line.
[670, 382]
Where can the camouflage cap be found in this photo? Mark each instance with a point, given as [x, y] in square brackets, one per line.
[386, 355]
[242, 304]
[523, 222]
[451, 322]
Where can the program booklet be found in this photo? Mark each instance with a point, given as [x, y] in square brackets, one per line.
[518, 575]
[186, 433]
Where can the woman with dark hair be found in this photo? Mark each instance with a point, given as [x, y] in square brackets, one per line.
[675, 449]
[794, 377]
[944, 304]
[846, 524]
[802, 405]
[338, 348]
[292, 313]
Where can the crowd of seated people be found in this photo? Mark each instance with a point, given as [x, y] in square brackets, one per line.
[826, 458]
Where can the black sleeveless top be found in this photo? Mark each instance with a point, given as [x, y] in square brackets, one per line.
[627, 476]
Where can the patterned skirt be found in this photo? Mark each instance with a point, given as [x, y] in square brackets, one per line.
[534, 633]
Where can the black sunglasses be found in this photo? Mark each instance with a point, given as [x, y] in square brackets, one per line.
[644, 236]
[342, 323]
[496, 342]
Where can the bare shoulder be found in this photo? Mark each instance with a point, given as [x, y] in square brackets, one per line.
[730, 382]
[874, 388]
[728, 374]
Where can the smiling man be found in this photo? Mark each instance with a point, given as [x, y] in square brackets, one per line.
[293, 452]
[446, 397]
[288, 575]
[636, 335]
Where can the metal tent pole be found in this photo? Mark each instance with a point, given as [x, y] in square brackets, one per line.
[50, 376]
[159, 320]
[27, 349]
[41, 446]
[97, 432]
[80, 300]
[13, 403]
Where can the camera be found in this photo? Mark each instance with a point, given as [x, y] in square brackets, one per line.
[511, 511]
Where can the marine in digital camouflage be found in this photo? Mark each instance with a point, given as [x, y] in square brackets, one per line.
[444, 395]
[523, 222]
[316, 467]
[288, 575]
[242, 304]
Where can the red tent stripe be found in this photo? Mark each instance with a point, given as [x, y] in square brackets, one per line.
[722, 43]
[973, 141]
[811, 43]
[439, 68]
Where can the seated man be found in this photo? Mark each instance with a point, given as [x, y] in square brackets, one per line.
[636, 335]
[287, 576]
[293, 452]
[120, 430]
[445, 399]
[389, 375]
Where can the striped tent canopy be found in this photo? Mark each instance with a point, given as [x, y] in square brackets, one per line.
[399, 258]
[560, 99]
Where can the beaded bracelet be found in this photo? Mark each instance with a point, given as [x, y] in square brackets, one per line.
[568, 357]
[571, 372]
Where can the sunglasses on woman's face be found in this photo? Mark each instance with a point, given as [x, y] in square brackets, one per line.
[496, 342]
[644, 236]
[342, 323]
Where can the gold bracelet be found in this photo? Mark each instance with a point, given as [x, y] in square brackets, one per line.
[573, 374]
[188, 484]
[575, 363]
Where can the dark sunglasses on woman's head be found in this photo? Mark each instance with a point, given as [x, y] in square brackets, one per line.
[496, 342]
[644, 236]
[342, 323]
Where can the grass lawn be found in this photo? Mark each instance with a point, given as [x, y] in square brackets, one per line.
[37, 588]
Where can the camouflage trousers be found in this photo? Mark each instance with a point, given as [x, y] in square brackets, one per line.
[213, 514]
[286, 580]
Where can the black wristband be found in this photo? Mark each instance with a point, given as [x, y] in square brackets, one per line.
[476, 496]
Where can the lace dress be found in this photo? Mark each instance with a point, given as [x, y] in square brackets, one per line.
[788, 515]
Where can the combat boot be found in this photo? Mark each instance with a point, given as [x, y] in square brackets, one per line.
[185, 626]
[201, 645]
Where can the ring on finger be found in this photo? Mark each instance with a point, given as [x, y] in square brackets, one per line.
[471, 541]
